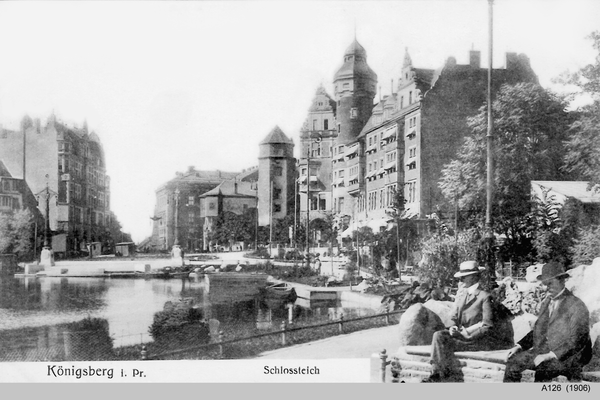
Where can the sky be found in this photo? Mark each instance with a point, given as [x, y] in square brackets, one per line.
[172, 84]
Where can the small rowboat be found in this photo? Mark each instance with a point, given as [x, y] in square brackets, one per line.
[280, 291]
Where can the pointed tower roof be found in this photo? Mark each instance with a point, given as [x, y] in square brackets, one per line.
[355, 64]
[276, 136]
[407, 60]
[355, 49]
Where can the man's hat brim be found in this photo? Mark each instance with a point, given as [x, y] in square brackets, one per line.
[460, 274]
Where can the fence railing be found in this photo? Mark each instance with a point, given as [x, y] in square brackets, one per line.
[284, 331]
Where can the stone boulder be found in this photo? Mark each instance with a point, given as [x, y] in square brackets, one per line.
[443, 309]
[533, 272]
[522, 325]
[584, 284]
[417, 326]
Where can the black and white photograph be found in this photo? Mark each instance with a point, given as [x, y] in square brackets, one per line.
[300, 192]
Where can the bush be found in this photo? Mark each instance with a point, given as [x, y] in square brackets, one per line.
[179, 323]
[587, 247]
[294, 255]
[443, 253]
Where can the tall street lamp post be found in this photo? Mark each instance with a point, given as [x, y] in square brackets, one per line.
[176, 240]
[489, 235]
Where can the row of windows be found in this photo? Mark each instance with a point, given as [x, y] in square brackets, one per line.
[10, 185]
[8, 202]
[315, 125]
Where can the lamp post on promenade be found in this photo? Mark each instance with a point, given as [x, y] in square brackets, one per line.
[489, 234]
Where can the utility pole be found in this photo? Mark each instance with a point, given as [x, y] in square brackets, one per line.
[308, 204]
[489, 234]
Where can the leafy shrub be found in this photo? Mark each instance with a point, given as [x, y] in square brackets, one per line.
[587, 246]
[179, 323]
[443, 253]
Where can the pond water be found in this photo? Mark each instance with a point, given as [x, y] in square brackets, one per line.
[35, 313]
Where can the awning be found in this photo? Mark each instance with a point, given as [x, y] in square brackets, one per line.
[351, 228]
[352, 151]
[377, 224]
[412, 132]
[339, 157]
[372, 147]
[302, 179]
[390, 165]
[353, 178]
[380, 171]
[338, 181]
[390, 132]
[314, 179]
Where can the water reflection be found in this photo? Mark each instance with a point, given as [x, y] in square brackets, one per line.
[39, 316]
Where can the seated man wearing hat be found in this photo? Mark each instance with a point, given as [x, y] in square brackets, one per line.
[473, 328]
[560, 341]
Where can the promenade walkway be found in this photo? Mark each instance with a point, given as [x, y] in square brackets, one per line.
[363, 344]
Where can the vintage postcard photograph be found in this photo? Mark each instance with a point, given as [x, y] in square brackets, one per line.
[301, 192]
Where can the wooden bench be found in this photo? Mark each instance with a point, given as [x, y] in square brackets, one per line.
[411, 364]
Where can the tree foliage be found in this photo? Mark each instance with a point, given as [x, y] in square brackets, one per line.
[587, 246]
[583, 146]
[16, 232]
[442, 254]
[530, 126]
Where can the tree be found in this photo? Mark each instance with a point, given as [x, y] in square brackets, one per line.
[16, 232]
[583, 146]
[530, 125]
[231, 227]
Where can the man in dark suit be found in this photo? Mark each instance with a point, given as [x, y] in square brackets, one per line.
[560, 342]
[475, 327]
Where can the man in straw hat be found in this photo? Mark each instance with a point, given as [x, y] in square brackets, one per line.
[560, 341]
[473, 327]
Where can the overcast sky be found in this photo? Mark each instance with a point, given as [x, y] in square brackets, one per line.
[167, 85]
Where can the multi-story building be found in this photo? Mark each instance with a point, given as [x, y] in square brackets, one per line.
[414, 132]
[276, 177]
[317, 140]
[399, 144]
[355, 86]
[68, 164]
[177, 213]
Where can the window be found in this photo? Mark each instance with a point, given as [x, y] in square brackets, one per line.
[276, 193]
[322, 204]
[314, 124]
[339, 125]
[412, 165]
[326, 124]
[314, 203]
[411, 192]
[278, 171]
[303, 172]
[191, 217]
[412, 152]
[410, 97]
[370, 140]
[353, 112]
[381, 198]
[276, 208]
[211, 206]
[346, 85]
[190, 200]
[341, 173]
[401, 101]
[340, 204]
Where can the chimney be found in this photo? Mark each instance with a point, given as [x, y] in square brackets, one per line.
[475, 58]
[511, 60]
